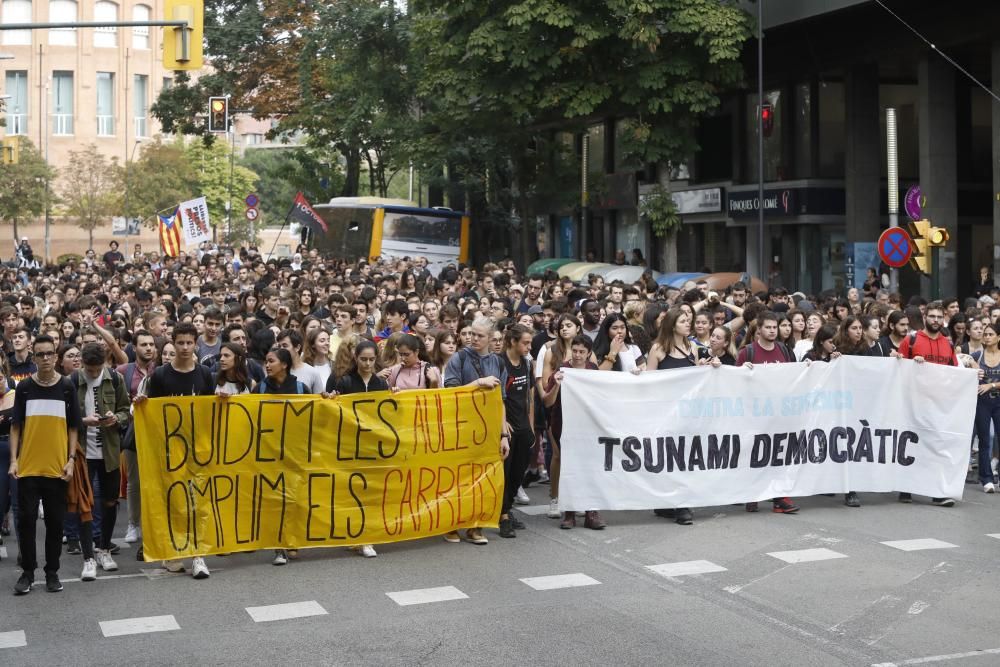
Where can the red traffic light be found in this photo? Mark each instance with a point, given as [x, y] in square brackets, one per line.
[767, 119]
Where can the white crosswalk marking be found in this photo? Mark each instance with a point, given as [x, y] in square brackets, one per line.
[686, 568]
[806, 555]
[560, 581]
[138, 626]
[14, 639]
[920, 544]
[533, 510]
[425, 595]
[281, 612]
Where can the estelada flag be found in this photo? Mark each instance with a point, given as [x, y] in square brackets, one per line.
[170, 233]
[304, 214]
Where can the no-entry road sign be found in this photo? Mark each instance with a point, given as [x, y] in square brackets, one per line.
[895, 247]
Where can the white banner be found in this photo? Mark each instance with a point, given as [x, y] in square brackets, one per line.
[194, 219]
[707, 436]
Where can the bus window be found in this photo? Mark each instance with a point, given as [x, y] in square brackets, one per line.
[422, 229]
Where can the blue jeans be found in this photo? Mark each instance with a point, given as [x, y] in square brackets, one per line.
[987, 413]
[8, 484]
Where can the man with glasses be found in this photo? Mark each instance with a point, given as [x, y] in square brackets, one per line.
[931, 346]
[532, 294]
[43, 446]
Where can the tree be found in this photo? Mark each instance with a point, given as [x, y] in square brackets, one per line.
[159, 179]
[91, 188]
[25, 186]
[283, 172]
[221, 181]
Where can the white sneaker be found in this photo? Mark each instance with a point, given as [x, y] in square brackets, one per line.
[132, 534]
[366, 550]
[554, 512]
[280, 557]
[989, 488]
[543, 477]
[522, 498]
[198, 568]
[105, 560]
[174, 566]
[89, 570]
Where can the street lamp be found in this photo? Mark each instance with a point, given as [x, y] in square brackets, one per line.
[128, 164]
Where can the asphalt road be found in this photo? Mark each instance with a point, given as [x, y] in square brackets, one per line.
[817, 588]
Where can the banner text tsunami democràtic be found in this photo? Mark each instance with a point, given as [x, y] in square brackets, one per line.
[714, 436]
[268, 472]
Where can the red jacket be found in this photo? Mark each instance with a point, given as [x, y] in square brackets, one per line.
[935, 350]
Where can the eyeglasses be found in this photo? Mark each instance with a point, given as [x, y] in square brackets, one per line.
[44, 355]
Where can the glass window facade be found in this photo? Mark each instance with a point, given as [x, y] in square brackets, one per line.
[140, 34]
[15, 11]
[61, 11]
[595, 160]
[16, 85]
[105, 104]
[832, 129]
[106, 37]
[140, 103]
[62, 103]
[773, 145]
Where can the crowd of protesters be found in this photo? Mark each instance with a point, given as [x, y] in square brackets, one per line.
[84, 340]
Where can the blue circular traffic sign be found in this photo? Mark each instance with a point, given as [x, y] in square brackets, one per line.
[895, 247]
[252, 200]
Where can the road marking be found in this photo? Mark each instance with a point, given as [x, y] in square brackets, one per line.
[995, 536]
[425, 595]
[533, 510]
[920, 545]
[138, 626]
[560, 581]
[3, 552]
[939, 658]
[281, 612]
[13, 639]
[685, 568]
[100, 577]
[806, 555]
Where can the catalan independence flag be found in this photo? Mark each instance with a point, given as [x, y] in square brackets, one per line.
[170, 233]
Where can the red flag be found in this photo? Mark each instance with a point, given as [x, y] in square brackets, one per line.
[170, 234]
[303, 213]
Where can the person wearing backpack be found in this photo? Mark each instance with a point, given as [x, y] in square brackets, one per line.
[134, 373]
[104, 407]
[413, 371]
[767, 349]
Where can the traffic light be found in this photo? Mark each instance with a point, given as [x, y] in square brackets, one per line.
[218, 114]
[182, 47]
[10, 149]
[767, 119]
[937, 237]
[920, 230]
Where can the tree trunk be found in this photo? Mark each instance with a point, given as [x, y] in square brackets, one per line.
[17, 237]
[667, 251]
[90, 237]
[352, 171]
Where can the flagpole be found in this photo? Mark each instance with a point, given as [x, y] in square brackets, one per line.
[283, 223]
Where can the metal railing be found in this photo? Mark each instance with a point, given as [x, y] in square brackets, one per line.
[62, 124]
[105, 126]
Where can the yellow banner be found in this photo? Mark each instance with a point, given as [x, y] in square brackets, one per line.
[268, 472]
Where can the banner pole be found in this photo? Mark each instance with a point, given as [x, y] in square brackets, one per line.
[283, 223]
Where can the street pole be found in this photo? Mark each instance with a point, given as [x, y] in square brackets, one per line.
[761, 260]
[48, 198]
[892, 184]
[231, 129]
[935, 273]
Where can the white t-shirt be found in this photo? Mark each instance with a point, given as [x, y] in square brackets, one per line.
[310, 377]
[628, 356]
[801, 349]
[543, 354]
[324, 371]
[95, 441]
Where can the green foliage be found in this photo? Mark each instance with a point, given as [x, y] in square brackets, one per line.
[216, 178]
[69, 258]
[283, 172]
[659, 210]
[91, 188]
[23, 194]
[161, 177]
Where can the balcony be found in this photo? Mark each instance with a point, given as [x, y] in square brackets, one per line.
[62, 124]
[105, 126]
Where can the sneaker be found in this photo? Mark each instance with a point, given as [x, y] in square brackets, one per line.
[569, 521]
[522, 498]
[366, 550]
[516, 523]
[73, 547]
[942, 502]
[852, 500]
[475, 535]
[5, 527]
[988, 487]
[784, 506]
[752, 507]
[52, 583]
[544, 477]
[89, 570]
[507, 528]
[280, 557]
[453, 537]
[174, 566]
[906, 498]
[114, 548]
[594, 521]
[529, 477]
[198, 568]
[683, 516]
[23, 585]
[554, 512]
[105, 560]
[132, 534]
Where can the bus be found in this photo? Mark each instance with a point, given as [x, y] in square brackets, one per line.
[373, 227]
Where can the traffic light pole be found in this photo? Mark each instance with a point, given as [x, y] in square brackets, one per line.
[935, 273]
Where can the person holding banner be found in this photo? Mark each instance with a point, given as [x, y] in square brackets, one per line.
[519, 408]
[183, 376]
[475, 366]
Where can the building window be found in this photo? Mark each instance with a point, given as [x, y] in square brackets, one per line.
[774, 170]
[106, 37]
[595, 153]
[168, 83]
[16, 85]
[62, 103]
[253, 139]
[140, 34]
[105, 104]
[140, 101]
[832, 129]
[803, 131]
[16, 11]
[62, 11]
